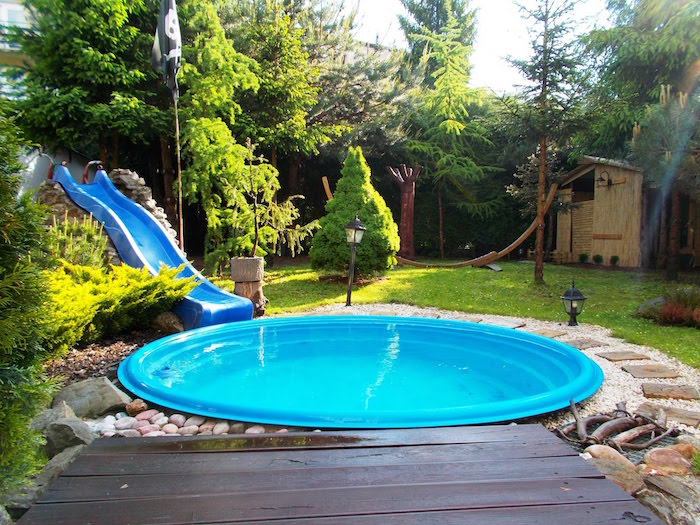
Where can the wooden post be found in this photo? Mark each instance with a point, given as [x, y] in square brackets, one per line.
[406, 180]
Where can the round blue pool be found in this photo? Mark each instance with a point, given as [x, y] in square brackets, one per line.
[360, 372]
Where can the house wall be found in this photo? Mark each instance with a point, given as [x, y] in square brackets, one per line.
[617, 216]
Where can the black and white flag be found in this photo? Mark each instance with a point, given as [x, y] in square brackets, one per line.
[167, 45]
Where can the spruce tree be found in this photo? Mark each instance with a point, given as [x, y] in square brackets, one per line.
[355, 195]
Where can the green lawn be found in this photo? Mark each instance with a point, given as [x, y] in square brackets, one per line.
[613, 296]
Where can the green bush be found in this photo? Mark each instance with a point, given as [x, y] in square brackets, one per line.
[583, 257]
[598, 259]
[614, 260]
[89, 303]
[354, 195]
[77, 241]
[23, 391]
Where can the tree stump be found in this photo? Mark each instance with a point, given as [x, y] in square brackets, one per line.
[247, 273]
[406, 179]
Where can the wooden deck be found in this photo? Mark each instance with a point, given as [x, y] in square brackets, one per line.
[461, 475]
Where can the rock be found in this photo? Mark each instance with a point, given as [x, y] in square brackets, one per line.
[147, 429]
[154, 433]
[616, 468]
[661, 499]
[194, 420]
[667, 461]
[170, 428]
[124, 423]
[237, 428]
[281, 431]
[139, 424]
[147, 414]
[161, 421]
[188, 430]
[207, 426]
[66, 433]
[692, 440]
[177, 419]
[4, 517]
[48, 416]
[136, 407]
[684, 449]
[255, 429]
[26, 497]
[206, 433]
[168, 323]
[92, 397]
[651, 307]
[108, 433]
[129, 432]
[156, 417]
[222, 427]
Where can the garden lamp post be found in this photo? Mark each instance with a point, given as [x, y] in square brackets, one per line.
[573, 303]
[354, 230]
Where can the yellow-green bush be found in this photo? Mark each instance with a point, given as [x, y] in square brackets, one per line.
[89, 303]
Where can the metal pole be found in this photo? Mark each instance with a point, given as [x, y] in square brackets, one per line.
[179, 176]
[352, 272]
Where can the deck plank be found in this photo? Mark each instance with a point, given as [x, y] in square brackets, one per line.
[490, 474]
[112, 463]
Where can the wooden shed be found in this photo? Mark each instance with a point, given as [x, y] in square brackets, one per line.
[614, 216]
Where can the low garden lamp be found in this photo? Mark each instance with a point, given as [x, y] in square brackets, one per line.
[573, 303]
[354, 230]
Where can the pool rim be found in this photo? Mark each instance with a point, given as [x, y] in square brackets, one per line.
[584, 386]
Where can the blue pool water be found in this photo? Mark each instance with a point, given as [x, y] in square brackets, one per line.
[360, 372]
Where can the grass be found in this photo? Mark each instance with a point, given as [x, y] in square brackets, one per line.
[613, 296]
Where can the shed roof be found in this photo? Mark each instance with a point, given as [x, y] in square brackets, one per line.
[586, 162]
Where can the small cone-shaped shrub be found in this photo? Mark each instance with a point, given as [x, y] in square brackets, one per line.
[355, 195]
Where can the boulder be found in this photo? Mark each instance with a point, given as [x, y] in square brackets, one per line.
[92, 397]
[168, 323]
[25, 498]
[667, 461]
[4, 517]
[66, 433]
[616, 467]
[60, 411]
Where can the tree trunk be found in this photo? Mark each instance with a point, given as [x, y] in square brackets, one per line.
[550, 232]
[168, 180]
[406, 180]
[103, 150]
[539, 236]
[663, 236]
[441, 235]
[293, 179]
[115, 150]
[674, 239]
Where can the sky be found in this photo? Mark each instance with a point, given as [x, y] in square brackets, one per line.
[501, 32]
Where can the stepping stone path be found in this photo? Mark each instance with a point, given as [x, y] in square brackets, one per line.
[623, 356]
[651, 370]
[664, 391]
[546, 332]
[585, 344]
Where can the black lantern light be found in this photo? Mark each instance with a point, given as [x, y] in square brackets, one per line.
[573, 303]
[354, 230]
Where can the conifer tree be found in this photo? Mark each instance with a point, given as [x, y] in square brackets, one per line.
[355, 195]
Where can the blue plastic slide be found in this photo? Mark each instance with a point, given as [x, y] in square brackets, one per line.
[142, 241]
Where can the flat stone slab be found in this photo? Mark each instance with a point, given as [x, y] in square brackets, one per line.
[661, 391]
[680, 415]
[624, 355]
[509, 324]
[650, 370]
[585, 344]
[546, 332]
